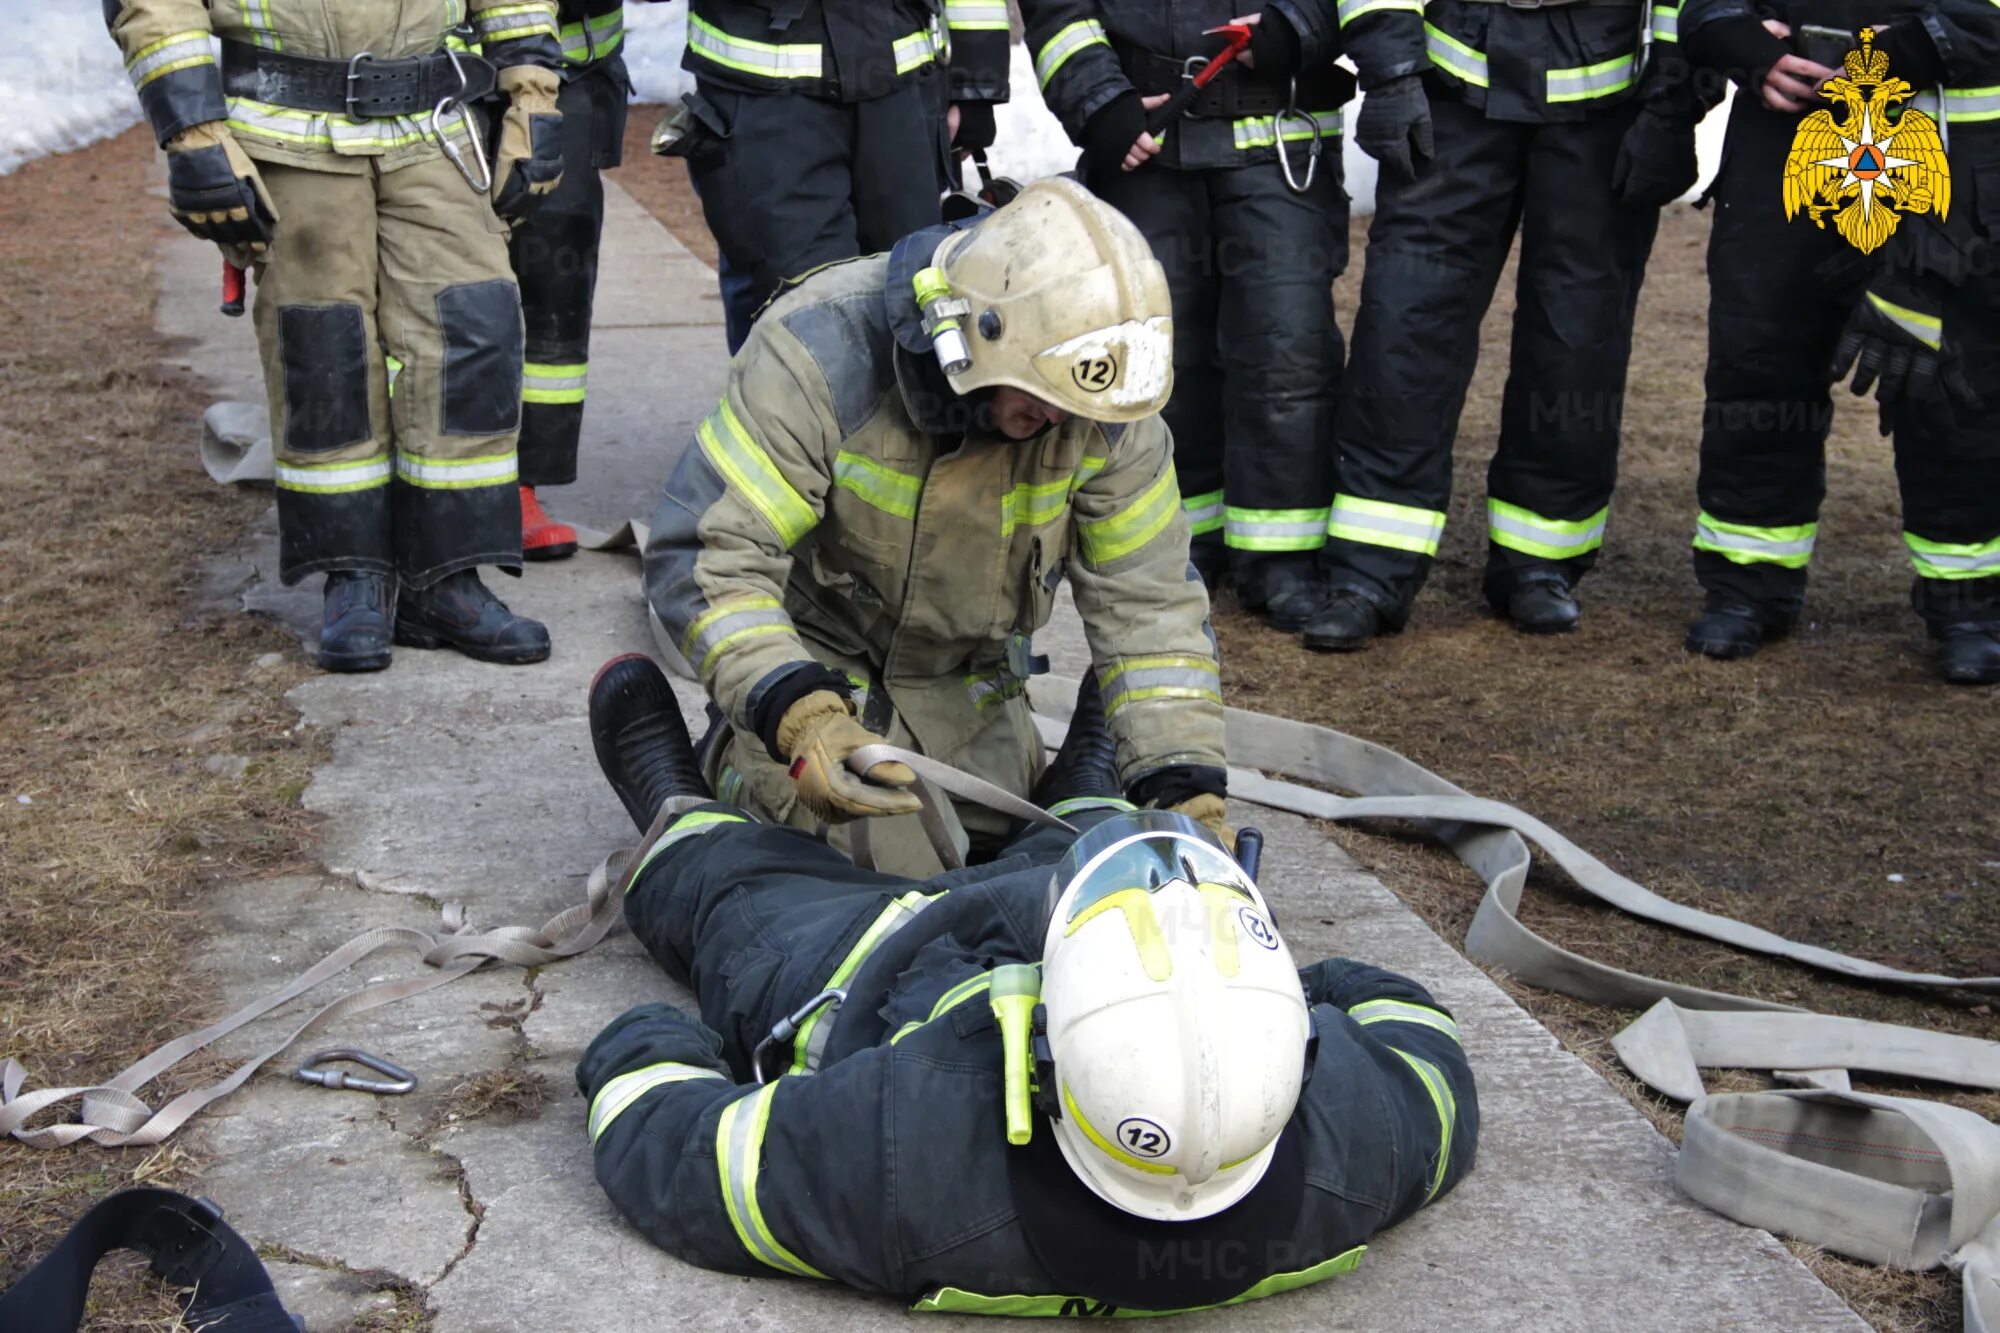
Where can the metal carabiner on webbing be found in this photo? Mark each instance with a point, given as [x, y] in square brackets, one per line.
[1292, 183]
[445, 107]
[787, 1028]
[395, 1080]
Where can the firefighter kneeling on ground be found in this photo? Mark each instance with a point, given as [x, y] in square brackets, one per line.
[338, 154]
[914, 451]
[1085, 1079]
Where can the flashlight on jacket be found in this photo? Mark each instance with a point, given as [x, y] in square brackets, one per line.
[1013, 993]
[942, 312]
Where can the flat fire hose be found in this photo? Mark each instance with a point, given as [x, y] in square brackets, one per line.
[1948, 1170]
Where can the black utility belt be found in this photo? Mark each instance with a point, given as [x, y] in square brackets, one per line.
[1555, 4]
[360, 86]
[1233, 93]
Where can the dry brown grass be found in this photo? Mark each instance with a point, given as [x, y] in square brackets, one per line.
[1784, 791]
[113, 688]
[507, 1094]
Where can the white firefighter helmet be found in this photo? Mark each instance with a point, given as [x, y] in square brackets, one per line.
[1176, 1023]
[1064, 301]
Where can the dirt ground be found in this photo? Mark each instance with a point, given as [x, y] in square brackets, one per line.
[1830, 789]
[148, 750]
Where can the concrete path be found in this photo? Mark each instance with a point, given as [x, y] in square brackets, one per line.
[452, 781]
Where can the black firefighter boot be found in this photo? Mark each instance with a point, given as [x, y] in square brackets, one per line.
[1969, 654]
[458, 611]
[1542, 604]
[1087, 763]
[354, 622]
[1345, 623]
[1284, 589]
[641, 742]
[1728, 628]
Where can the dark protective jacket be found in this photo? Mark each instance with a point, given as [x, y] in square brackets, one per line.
[1955, 43]
[1088, 52]
[889, 1169]
[592, 33]
[845, 51]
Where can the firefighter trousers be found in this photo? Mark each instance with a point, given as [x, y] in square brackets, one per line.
[1779, 295]
[803, 181]
[371, 275]
[757, 919]
[1435, 253]
[555, 260]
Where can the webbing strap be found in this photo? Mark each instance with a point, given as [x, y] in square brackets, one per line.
[933, 777]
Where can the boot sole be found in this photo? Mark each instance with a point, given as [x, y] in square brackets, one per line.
[553, 551]
[1526, 627]
[1721, 650]
[1320, 643]
[352, 661]
[411, 636]
[1970, 677]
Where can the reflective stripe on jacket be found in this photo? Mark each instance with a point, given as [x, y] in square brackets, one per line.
[812, 519]
[844, 52]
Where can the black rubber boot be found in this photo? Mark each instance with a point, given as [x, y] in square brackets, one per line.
[1087, 763]
[641, 741]
[1344, 623]
[458, 611]
[1285, 590]
[1970, 654]
[1728, 629]
[354, 623]
[1542, 604]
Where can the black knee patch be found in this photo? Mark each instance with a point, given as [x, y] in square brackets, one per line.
[324, 351]
[482, 357]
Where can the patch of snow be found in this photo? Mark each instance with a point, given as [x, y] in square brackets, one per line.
[69, 82]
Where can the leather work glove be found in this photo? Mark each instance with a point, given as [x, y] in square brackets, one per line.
[528, 164]
[1394, 126]
[1212, 812]
[976, 129]
[1656, 161]
[1895, 342]
[213, 188]
[817, 734]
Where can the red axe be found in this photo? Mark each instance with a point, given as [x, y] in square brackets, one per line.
[1238, 40]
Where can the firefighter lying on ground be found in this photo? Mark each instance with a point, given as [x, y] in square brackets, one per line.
[913, 452]
[1085, 1076]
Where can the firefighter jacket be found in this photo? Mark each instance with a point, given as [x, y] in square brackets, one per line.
[172, 63]
[1088, 52]
[848, 52]
[592, 33]
[842, 509]
[889, 1169]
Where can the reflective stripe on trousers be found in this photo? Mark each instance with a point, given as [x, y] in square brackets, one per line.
[1380, 523]
[1525, 531]
[1746, 544]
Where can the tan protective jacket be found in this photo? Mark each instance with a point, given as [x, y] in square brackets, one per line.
[172, 64]
[827, 513]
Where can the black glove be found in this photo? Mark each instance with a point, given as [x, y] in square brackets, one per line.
[975, 126]
[1394, 126]
[1274, 46]
[1895, 342]
[1656, 161]
[1111, 131]
[213, 188]
[1741, 47]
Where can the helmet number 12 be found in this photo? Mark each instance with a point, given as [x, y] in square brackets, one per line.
[1093, 374]
[1143, 1138]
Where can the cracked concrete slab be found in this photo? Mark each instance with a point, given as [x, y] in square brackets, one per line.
[455, 781]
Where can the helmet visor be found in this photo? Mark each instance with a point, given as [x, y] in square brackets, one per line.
[1144, 850]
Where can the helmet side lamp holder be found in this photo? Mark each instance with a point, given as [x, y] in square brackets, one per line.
[943, 314]
[1044, 1065]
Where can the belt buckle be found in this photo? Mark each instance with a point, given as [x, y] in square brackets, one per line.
[353, 75]
[1525, 4]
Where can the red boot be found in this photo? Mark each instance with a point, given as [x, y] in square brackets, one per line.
[542, 538]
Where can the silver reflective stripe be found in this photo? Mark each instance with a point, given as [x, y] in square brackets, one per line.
[899, 914]
[325, 478]
[535, 383]
[1264, 131]
[508, 23]
[1971, 104]
[913, 51]
[800, 60]
[455, 474]
[1928, 557]
[616, 1097]
[1716, 539]
[1065, 44]
[1401, 1011]
[1666, 23]
[1600, 80]
[256, 16]
[341, 134]
[1169, 676]
[739, 1151]
[1454, 56]
[975, 16]
[1555, 539]
[182, 50]
[1351, 10]
[1204, 509]
[716, 628]
[1926, 329]
[1381, 523]
[603, 35]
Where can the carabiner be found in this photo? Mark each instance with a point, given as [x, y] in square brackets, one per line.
[445, 107]
[400, 1080]
[788, 1027]
[1284, 156]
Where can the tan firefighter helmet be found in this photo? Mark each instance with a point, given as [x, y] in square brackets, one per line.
[1062, 299]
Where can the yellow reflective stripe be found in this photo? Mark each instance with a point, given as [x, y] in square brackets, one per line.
[1145, 517]
[881, 487]
[695, 821]
[950, 1000]
[1089, 466]
[1953, 560]
[1524, 530]
[1168, 676]
[1789, 547]
[1454, 56]
[332, 478]
[893, 918]
[1106, 1146]
[1926, 329]
[1029, 504]
[975, 16]
[913, 51]
[989, 687]
[1447, 1113]
[1263, 131]
[554, 384]
[755, 476]
[506, 23]
[1066, 43]
[1588, 81]
[596, 38]
[1380, 523]
[1349, 10]
[256, 16]
[798, 60]
[1402, 1011]
[739, 1149]
[267, 120]
[616, 1097]
[1666, 23]
[731, 622]
[458, 474]
[957, 1300]
[182, 50]
[1078, 804]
